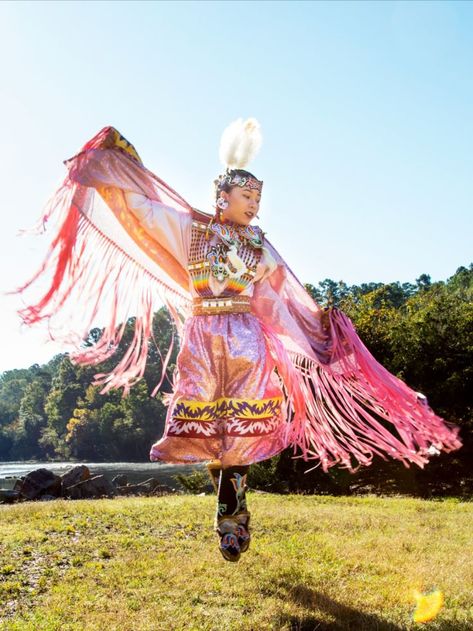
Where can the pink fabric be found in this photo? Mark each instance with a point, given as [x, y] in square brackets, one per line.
[113, 258]
[225, 364]
[353, 407]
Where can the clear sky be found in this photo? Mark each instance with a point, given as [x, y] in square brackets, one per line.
[365, 107]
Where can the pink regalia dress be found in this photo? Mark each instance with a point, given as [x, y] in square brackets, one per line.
[227, 400]
[261, 366]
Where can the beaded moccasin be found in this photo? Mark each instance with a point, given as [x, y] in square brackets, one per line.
[234, 535]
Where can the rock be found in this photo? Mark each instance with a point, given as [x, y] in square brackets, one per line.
[149, 487]
[120, 480]
[77, 483]
[162, 489]
[132, 489]
[8, 496]
[150, 484]
[39, 482]
[97, 486]
[77, 474]
[18, 484]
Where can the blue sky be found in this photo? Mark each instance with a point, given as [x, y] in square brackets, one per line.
[365, 107]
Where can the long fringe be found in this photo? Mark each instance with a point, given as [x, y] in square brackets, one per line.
[355, 409]
[90, 272]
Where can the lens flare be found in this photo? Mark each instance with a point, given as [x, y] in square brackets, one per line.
[428, 605]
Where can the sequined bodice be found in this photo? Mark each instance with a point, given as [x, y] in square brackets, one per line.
[223, 257]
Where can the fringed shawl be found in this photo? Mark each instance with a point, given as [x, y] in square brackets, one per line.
[104, 263]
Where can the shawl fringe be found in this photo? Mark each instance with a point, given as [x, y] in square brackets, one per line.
[354, 409]
[89, 277]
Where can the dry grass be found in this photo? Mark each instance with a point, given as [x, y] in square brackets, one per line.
[314, 563]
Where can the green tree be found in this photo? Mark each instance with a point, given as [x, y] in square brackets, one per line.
[68, 385]
[31, 419]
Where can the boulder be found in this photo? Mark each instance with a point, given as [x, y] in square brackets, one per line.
[120, 480]
[40, 482]
[150, 484]
[97, 486]
[77, 474]
[7, 496]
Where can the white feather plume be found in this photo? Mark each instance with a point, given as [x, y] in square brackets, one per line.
[240, 143]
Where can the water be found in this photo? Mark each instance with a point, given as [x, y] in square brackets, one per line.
[135, 471]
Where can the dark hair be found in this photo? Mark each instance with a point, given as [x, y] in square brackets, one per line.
[228, 187]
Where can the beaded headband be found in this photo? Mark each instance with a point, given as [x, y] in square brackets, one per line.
[235, 179]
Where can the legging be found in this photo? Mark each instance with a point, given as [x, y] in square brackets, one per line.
[230, 484]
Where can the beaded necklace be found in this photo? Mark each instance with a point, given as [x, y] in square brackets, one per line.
[233, 259]
[236, 234]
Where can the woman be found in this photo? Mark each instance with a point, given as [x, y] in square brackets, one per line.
[125, 238]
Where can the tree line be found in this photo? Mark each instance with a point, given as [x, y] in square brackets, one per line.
[421, 332]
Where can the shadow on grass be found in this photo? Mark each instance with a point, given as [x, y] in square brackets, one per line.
[346, 618]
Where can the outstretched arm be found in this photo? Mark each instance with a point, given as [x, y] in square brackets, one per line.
[163, 223]
[119, 252]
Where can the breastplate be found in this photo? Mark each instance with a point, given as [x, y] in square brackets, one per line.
[223, 255]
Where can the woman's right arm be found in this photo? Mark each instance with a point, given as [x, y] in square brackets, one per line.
[168, 226]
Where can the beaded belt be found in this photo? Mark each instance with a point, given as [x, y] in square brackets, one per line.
[214, 306]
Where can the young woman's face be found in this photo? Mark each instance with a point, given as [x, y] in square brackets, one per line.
[243, 204]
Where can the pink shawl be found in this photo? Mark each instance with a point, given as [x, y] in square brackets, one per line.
[105, 265]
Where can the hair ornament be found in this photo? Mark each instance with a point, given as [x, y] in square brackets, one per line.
[240, 142]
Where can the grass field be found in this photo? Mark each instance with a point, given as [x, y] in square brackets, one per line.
[315, 562]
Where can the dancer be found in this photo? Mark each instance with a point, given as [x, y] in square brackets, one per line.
[261, 366]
